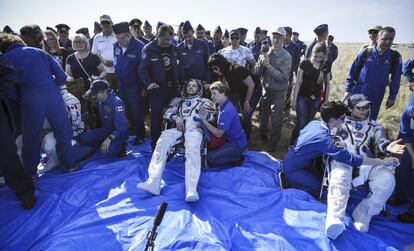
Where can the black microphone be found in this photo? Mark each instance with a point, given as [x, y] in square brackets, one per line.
[160, 214]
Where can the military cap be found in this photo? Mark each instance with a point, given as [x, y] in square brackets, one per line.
[9, 30]
[375, 29]
[242, 31]
[187, 27]
[62, 27]
[51, 29]
[288, 29]
[159, 24]
[105, 18]
[82, 31]
[217, 30]
[264, 32]
[147, 24]
[295, 33]
[97, 26]
[135, 22]
[320, 29]
[226, 34]
[200, 28]
[257, 30]
[121, 28]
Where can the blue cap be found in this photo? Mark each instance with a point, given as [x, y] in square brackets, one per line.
[146, 23]
[187, 27]
[96, 86]
[226, 34]
[97, 27]
[200, 28]
[295, 33]
[257, 30]
[62, 27]
[242, 31]
[82, 31]
[217, 30]
[121, 28]
[320, 29]
[158, 25]
[288, 29]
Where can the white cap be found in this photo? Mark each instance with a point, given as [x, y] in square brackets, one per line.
[280, 31]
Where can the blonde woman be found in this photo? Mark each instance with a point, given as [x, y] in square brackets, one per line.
[312, 88]
[51, 45]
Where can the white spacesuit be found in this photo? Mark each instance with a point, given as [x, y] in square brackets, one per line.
[359, 136]
[49, 142]
[187, 109]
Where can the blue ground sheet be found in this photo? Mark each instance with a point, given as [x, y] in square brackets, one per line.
[240, 208]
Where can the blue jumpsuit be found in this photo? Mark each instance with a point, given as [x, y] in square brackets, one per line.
[407, 70]
[405, 173]
[152, 70]
[114, 122]
[314, 141]
[374, 78]
[39, 79]
[130, 83]
[194, 61]
[332, 53]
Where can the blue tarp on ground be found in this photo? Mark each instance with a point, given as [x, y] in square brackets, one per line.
[243, 208]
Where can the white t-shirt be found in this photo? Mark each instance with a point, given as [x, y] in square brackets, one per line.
[103, 46]
[239, 56]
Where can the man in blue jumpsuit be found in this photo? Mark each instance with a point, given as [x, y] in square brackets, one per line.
[193, 55]
[405, 172]
[127, 57]
[112, 137]
[294, 51]
[316, 140]
[161, 76]
[256, 45]
[408, 74]
[371, 70]
[40, 78]
[322, 33]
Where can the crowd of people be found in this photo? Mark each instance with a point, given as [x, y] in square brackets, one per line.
[74, 98]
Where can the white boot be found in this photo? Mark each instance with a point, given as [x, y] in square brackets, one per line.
[192, 196]
[151, 186]
[334, 227]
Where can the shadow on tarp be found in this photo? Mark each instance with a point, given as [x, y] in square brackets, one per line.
[242, 208]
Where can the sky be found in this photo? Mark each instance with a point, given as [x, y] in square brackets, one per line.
[348, 20]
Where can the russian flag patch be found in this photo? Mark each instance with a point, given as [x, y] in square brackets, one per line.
[119, 108]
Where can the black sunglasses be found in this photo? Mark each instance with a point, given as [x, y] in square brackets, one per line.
[234, 38]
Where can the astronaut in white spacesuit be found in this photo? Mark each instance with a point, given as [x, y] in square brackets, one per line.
[184, 112]
[73, 108]
[359, 133]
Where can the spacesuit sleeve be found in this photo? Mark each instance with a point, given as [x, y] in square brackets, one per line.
[172, 109]
[381, 141]
[341, 154]
[408, 70]
[209, 106]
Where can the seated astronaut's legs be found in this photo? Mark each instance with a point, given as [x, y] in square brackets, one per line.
[226, 155]
[381, 184]
[338, 193]
[192, 143]
[156, 167]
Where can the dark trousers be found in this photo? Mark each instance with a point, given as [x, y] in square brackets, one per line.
[135, 110]
[14, 174]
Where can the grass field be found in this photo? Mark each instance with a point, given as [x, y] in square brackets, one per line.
[389, 118]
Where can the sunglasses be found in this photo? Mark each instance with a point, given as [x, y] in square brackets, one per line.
[365, 107]
[105, 22]
[234, 38]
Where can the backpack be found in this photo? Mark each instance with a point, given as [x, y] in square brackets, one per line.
[367, 50]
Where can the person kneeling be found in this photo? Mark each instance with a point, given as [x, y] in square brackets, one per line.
[184, 112]
[112, 138]
[229, 125]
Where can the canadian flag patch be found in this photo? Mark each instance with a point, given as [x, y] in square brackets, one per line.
[119, 108]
